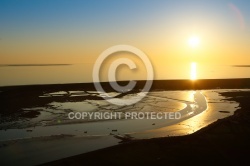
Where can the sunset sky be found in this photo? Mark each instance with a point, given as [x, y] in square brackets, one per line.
[64, 31]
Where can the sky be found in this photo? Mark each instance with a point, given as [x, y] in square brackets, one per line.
[74, 31]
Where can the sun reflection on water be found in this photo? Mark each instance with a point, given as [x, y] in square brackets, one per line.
[193, 73]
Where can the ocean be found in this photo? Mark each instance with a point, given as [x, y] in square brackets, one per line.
[81, 73]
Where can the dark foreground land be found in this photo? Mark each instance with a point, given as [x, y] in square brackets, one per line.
[225, 142]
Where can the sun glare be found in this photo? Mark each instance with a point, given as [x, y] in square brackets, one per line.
[194, 41]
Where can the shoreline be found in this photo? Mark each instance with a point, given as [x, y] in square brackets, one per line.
[225, 141]
[185, 84]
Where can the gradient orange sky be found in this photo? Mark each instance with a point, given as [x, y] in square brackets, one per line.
[78, 31]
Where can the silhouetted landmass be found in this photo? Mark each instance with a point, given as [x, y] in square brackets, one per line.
[241, 65]
[157, 85]
[19, 65]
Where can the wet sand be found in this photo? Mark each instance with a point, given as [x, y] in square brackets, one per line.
[217, 136]
[224, 142]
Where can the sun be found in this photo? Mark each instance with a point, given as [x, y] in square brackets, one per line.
[194, 41]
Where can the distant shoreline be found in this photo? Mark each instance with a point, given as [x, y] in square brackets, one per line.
[19, 65]
[236, 83]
